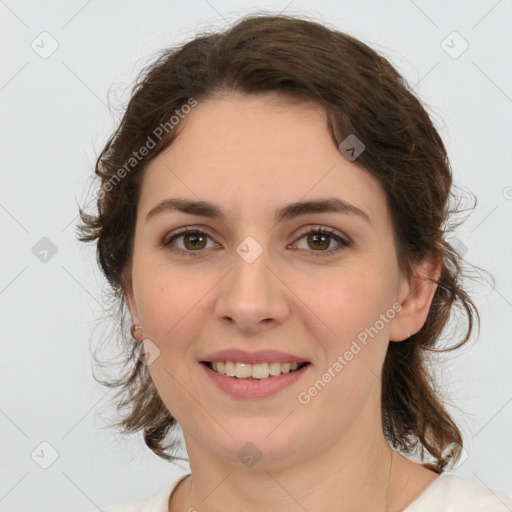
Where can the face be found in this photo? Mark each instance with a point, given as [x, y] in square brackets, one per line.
[255, 280]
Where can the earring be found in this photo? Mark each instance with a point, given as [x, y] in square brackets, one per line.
[133, 329]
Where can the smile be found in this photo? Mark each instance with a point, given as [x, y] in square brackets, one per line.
[253, 371]
[240, 385]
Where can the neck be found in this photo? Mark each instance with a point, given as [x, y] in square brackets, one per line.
[347, 476]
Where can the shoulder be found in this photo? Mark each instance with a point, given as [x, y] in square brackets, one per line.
[453, 493]
[156, 502]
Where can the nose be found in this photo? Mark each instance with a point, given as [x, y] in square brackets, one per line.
[253, 296]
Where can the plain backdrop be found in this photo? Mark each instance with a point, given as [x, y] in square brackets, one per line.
[62, 65]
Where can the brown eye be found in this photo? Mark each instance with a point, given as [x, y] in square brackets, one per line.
[318, 241]
[194, 241]
[187, 241]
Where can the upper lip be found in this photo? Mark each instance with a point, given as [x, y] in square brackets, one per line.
[260, 356]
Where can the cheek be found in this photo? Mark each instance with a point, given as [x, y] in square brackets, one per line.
[348, 374]
[169, 309]
[168, 301]
[349, 303]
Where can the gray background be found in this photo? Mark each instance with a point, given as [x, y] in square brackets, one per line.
[55, 120]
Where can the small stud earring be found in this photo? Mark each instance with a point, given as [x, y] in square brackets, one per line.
[133, 329]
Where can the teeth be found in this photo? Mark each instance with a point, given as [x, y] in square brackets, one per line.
[256, 371]
[274, 368]
[243, 370]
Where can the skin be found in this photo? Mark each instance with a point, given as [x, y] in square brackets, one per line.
[252, 155]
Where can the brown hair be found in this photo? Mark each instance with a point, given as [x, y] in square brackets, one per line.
[363, 95]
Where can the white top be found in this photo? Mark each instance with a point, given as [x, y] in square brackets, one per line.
[448, 493]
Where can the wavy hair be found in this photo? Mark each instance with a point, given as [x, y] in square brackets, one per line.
[362, 94]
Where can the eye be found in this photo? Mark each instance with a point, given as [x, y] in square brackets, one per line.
[320, 238]
[194, 240]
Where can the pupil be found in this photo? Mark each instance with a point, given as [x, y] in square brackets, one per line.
[316, 237]
[195, 239]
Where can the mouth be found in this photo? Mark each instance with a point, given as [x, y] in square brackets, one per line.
[260, 371]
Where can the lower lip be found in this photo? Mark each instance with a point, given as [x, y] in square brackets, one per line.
[258, 388]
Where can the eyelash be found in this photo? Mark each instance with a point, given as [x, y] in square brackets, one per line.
[344, 243]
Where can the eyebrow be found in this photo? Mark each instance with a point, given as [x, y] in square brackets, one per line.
[290, 211]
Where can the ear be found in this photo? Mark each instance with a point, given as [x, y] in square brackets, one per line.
[132, 307]
[416, 295]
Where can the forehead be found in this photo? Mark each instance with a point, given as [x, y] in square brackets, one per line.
[255, 153]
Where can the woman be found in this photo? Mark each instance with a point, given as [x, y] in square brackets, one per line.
[272, 218]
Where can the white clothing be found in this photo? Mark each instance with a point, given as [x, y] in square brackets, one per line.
[448, 493]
